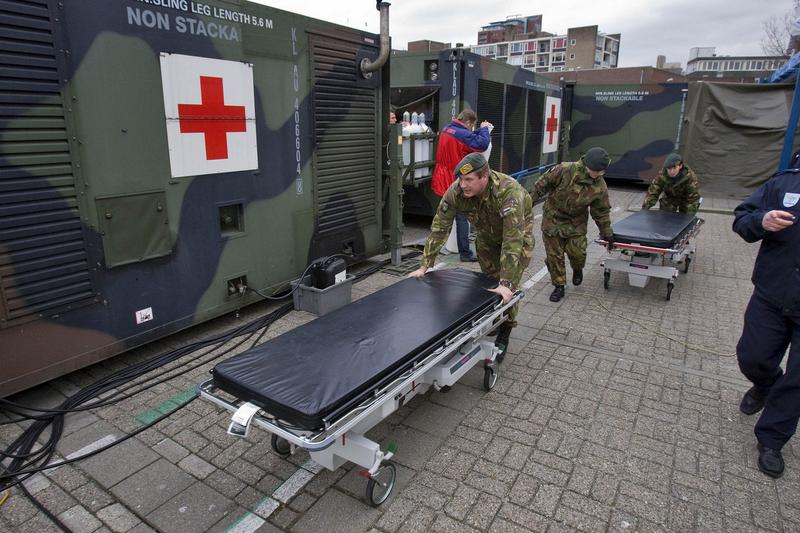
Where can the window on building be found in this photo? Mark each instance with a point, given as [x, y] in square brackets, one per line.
[530, 59]
[598, 56]
[543, 61]
[572, 56]
[615, 46]
[572, 42]
[544, 47]
[558, 57]
[515, 60]
[517, 48]
[759, 65]
[561, 42]
[531, 46]
[714, 65]
[736, 65]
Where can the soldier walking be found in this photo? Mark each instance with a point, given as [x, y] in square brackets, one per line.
[675, 188]
[575, 190]
[502, 212]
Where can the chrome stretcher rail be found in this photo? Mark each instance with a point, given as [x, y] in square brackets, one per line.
[319, 440]
[343, 439]
[647, 261]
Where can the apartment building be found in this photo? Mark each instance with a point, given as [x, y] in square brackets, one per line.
[527, 46]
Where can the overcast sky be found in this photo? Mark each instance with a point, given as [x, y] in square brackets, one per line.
[648, 27]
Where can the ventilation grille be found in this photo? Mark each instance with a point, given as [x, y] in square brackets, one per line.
[490, 107]
[346, 132]
[44, 267]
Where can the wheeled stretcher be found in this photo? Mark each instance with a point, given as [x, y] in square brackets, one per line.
[323, 385]
[652, 244]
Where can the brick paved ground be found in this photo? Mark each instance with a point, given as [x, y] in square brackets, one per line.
[598, 422]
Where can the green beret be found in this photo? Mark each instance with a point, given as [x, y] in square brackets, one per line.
[471, 163]
[596, 159]
[672, 160]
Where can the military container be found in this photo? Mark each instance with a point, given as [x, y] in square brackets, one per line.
[639, 125]
[160, 158]
[524, 108]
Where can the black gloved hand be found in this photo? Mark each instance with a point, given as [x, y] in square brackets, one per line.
[609, 242]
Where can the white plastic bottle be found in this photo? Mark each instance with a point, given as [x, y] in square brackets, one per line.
[406, 139]
[424, 148]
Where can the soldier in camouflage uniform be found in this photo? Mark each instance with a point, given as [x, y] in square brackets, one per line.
[502, 212]
[675, 188]
[575, 190]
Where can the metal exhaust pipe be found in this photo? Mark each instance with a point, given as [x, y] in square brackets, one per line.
[367, 66]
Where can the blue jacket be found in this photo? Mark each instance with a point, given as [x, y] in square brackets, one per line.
[455, 142]
[776, 274]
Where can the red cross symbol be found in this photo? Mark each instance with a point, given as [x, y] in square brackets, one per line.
[212, 118]
[551, 124]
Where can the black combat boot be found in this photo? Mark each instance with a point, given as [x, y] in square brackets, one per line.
[577, 277]
[770, 461]
[753, 400]
[557, 293]
[503, 336]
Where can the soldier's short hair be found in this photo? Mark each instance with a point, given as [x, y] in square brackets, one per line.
[467, 115]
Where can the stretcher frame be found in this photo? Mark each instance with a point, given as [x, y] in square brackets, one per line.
[645, 262]
[343, 439]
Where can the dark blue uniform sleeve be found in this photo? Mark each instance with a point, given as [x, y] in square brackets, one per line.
[750, 213]
[478, 140]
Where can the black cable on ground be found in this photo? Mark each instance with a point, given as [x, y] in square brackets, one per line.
[24, 462]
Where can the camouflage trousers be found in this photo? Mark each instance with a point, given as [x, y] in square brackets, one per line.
[555, 247]
[489, 260]
[675, 206]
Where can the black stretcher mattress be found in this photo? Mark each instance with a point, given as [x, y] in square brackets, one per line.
[656, 228]
[318, 370]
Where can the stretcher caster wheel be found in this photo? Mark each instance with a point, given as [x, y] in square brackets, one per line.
[686, 265]
[281, 445]
[489, 377]
[606, 279]
[381, 484]
[670, 286]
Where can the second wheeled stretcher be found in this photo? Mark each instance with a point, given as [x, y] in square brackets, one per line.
[323, 385]
[652, 244]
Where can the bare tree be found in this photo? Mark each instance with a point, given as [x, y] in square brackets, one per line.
[777, 39]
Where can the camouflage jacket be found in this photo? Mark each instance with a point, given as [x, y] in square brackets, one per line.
[573, 194]
[680, 194]
[502, 216]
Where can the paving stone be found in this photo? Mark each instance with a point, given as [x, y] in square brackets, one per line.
[483, 512]
[92, 496]
[79, 520]
[40, 524]
[434, 419]
[396, 512]
[117, 463]
[118, 518]
[283, 518]
[55, 499]
[195, 509]
[419, 521]
[196, 466]
[171, 450]
[414, 447]
[337, 512]
[152, 486]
